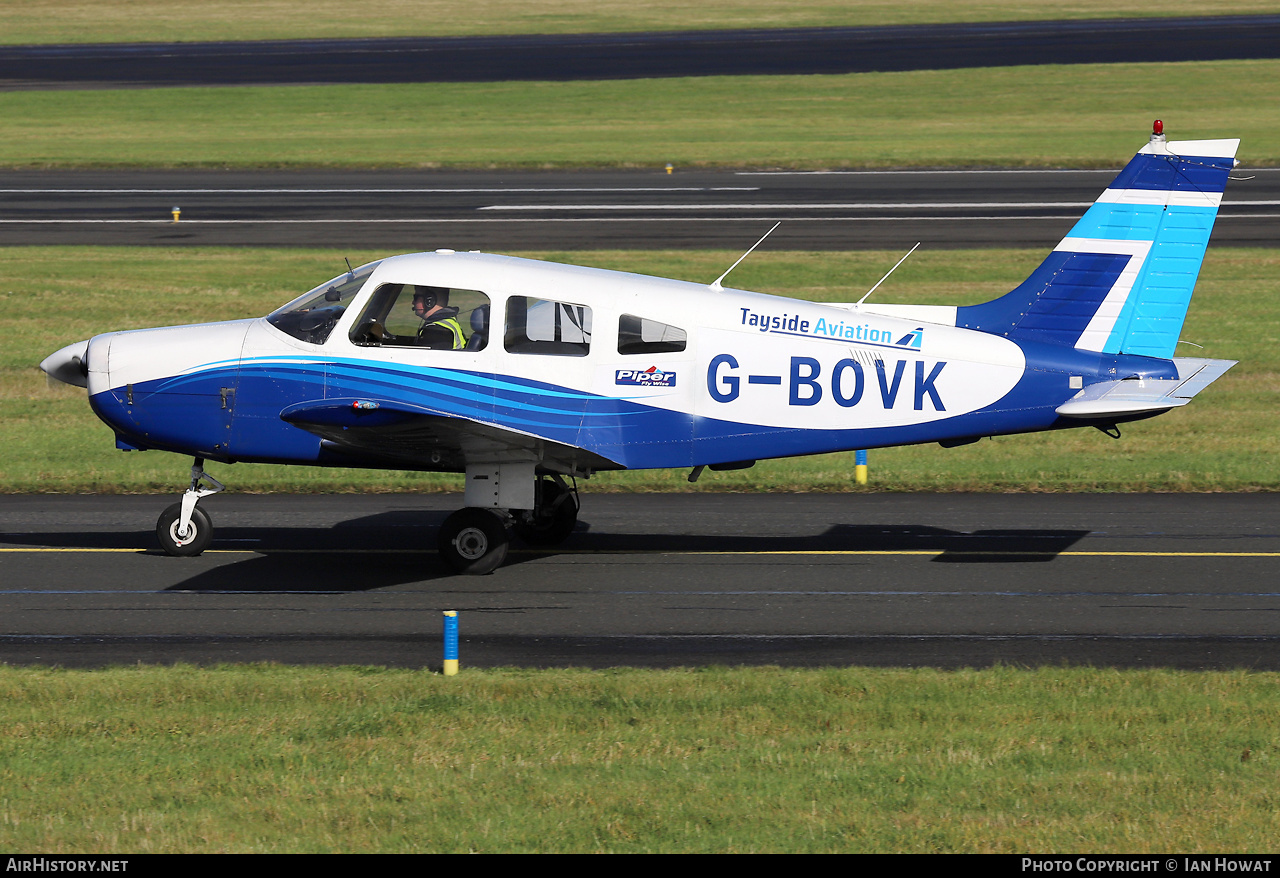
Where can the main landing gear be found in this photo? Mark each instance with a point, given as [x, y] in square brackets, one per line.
[184, 529]
[474, 540]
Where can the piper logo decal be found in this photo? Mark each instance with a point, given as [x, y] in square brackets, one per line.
[651, 377]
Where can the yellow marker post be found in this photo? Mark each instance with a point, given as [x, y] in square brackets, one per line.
[669, 168]
[177, 211]
[860, 467]
[450, 643]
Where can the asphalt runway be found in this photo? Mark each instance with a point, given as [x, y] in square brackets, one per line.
[1181, 581]
[641, 55]
[503, 211]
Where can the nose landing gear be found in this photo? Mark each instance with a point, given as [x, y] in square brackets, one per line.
[184, 529]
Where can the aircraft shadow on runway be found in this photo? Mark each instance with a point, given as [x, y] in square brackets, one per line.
[398, 548]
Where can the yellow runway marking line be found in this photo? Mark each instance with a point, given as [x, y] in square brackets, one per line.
[159, 554]
[906, 552]
[984, 552]
[711, 552]
[71, 549]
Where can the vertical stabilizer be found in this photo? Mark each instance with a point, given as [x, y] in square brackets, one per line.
[1122, 278]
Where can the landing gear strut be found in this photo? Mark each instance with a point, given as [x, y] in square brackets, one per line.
[474, 540]
[554, 515]
[184, 529]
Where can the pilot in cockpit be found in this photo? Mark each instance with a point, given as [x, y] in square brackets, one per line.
[440, 328]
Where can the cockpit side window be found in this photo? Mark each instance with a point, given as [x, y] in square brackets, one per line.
[640, 335]
[541, 326]
[313, 315]
[421, 316]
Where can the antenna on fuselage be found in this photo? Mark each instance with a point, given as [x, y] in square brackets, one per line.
[886, 277]
[350, 270]
[715, 284]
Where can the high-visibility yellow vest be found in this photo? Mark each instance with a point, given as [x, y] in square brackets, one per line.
[454, 327]
[459, 340]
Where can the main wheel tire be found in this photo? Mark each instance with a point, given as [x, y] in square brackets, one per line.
[195, 541]
[474, 541]
[554, 519]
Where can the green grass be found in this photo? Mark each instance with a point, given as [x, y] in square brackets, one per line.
[85, 21]
[1076, 116]
[1224, 441]
[273, 759]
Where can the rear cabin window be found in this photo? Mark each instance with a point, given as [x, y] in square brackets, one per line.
[640, 335]
[420, 316]
[542, 326]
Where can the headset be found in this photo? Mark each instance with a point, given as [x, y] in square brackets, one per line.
[431, 296]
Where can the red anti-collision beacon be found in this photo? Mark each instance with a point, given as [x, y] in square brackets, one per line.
[1157, 127]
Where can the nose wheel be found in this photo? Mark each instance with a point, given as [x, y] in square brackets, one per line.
[184, 543]
[184, 529]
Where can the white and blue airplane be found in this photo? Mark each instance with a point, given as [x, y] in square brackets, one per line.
[527, 375]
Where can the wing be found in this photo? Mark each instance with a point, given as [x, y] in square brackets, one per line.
[1133, 397]
[402, 435]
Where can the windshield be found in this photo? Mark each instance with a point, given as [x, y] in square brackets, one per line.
[313, 315]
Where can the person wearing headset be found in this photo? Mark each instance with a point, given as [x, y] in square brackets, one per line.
[440, 328]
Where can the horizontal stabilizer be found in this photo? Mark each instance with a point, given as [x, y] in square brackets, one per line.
[1134, 396]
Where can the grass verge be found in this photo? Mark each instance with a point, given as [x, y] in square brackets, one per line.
[1224, 441]
[274, 759]
[1074, 116]
[84, 21]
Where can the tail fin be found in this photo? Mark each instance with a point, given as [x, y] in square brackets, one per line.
[1121, 280]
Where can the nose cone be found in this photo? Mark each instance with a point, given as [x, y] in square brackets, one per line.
[70, 365]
